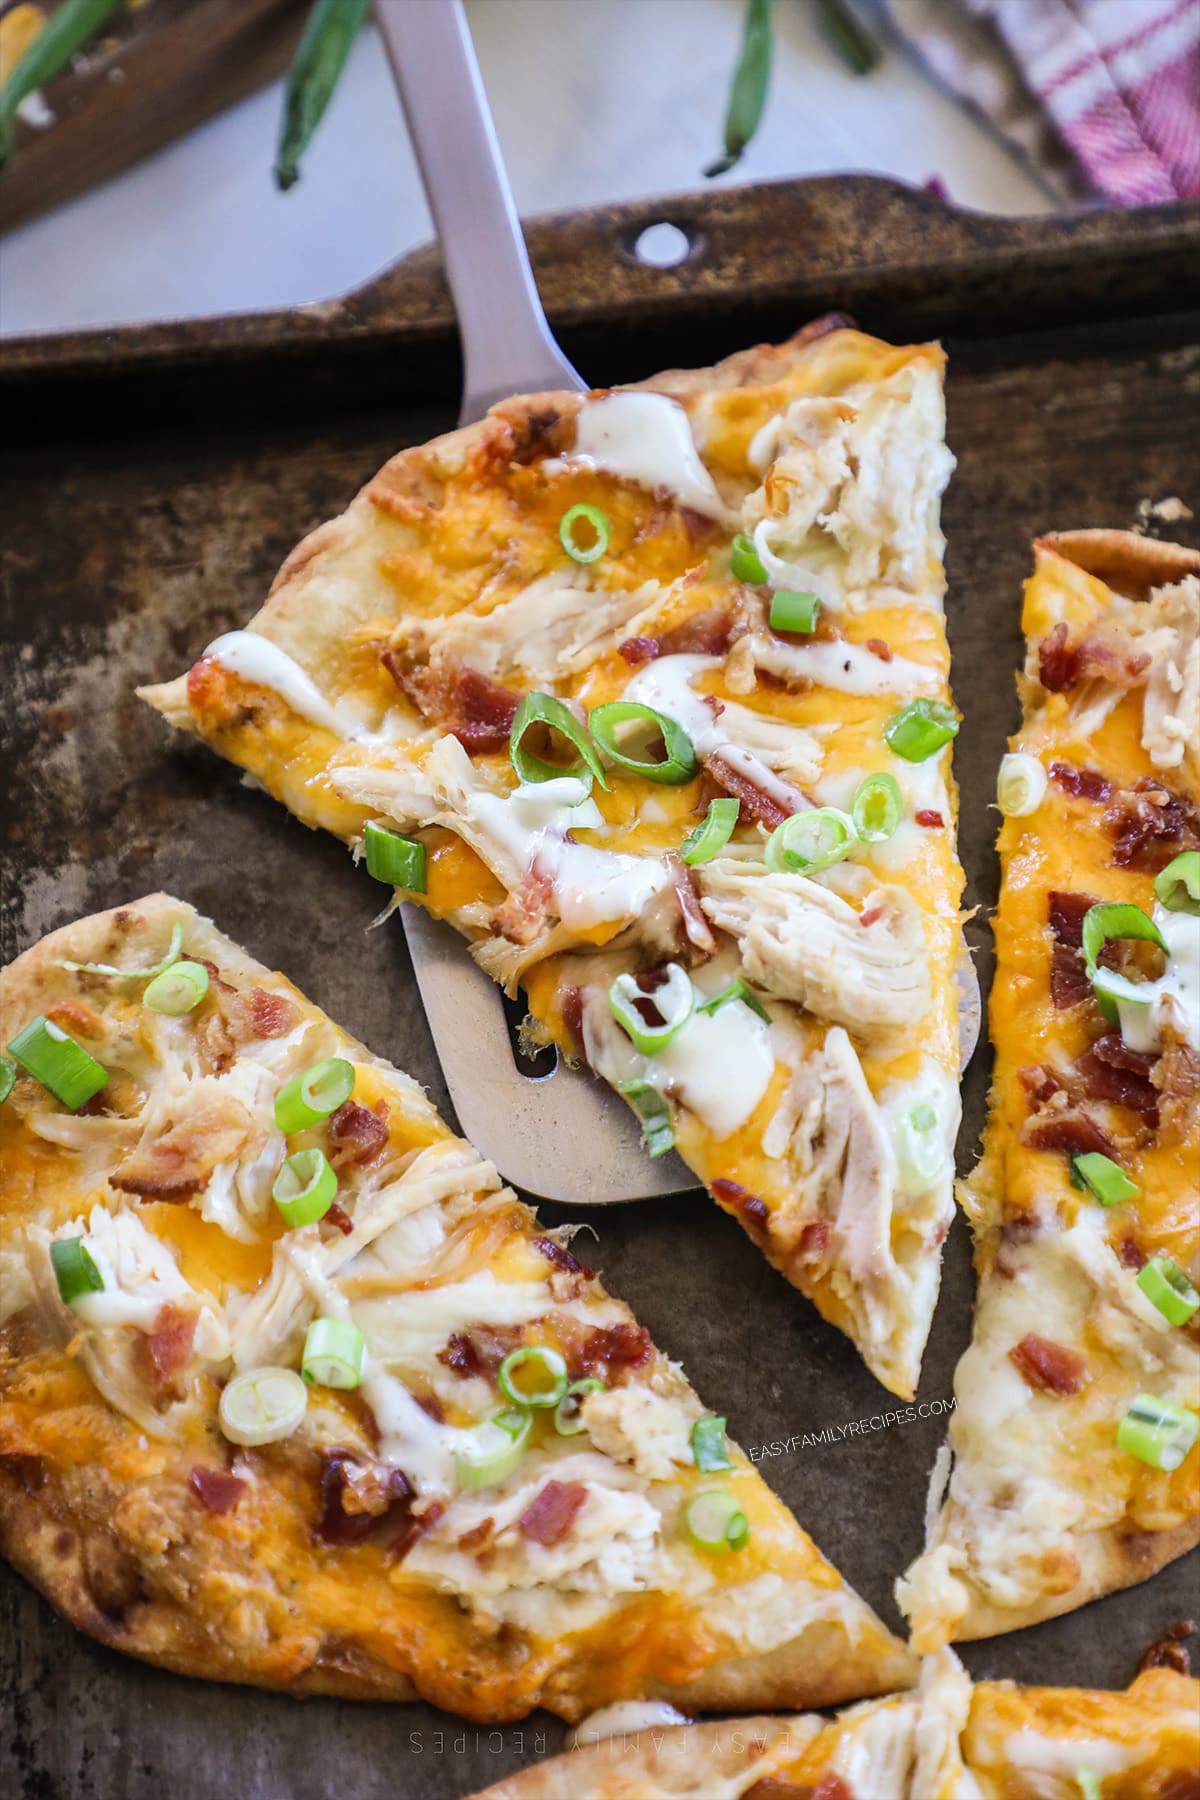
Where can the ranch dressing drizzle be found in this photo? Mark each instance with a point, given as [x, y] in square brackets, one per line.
[646, 438]
[591, 886]
[1175, 997]
[850, 668]
[255, 658]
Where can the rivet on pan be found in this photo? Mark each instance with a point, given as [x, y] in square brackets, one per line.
[662, 246]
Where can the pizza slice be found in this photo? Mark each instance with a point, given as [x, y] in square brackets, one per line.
[1074, 1462]
[293, 1391]
[946, 1741]
[646, 692]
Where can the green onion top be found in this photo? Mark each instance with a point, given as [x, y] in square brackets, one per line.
[1115, 920]
[712, 834]
[550, 713]
[654, 1112]
[791, 611]
[45, 1051]
[921, 728]
[877, 809]
[8, 1075]
[737, 990]
[583, 532]
[673, 1002]
[1167, 1287]
[1088, 1785]
[111, 970]
[677, 763]
[74, 1269]
[394, 858]
[1104, 1178]
[745, 562]
[1178, 885]
[546, 1366]
[808, 842]
[708, 1444]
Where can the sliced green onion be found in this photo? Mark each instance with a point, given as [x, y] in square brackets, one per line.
[46, 1052]
[74, 1270]
[673, 1001]
[394, 858]
[1104, 1178]
[8, 1075]
[920, 1147]
[708, 1444]
[304, 1187]
[713, 832]
[808, 842]
[177, 990]
[568, 533]
[792, 611]
[1166, 1286]
[737, 990]
[547, 1365]
[745, 562]
[334, 1354]
[262, 1406]
[494, 1449]
[678, 762]
[1088, 1785]
[877, 809]
[568, 1414]
[920, 728]
[715, 1521]
[172, 956]
[1158, 1432]
[654, 1113]
[1101, 924]
[315, 1093]
[1020, 785]
[1178, 885]
[548, 711]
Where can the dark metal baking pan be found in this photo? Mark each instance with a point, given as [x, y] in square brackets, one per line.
[153, 481]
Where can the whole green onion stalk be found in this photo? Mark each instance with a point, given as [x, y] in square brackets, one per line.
[62, 36]
[328, 37]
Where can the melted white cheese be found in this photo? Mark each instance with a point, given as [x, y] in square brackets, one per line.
[255, 658]
[646, 438]
[1030, 1749]
[591, 886]
[624, 1719]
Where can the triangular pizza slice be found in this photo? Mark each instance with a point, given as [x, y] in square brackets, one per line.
[293, 1391]
[646, 691]
[946, 1741]
[1075, 1466]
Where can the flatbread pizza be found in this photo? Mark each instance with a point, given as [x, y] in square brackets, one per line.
[945, 1741]
[647, 692]
[294, 1392]
[1075, 1466]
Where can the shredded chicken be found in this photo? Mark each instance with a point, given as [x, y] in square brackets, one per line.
[177, 1162]
[805, 943]
[1171, 714]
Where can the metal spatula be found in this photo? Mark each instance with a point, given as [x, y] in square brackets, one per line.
[556, 1132]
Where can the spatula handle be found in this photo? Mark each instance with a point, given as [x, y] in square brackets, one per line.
[507, 345]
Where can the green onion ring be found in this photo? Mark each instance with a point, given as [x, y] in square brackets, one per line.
[1177, 887]
[46, 1052]
[491, 1451]
[745, 562]
[921, 728]
[920, 1147]
[600, 524]
[877, 809]
[549, 711]
[568, 1414]
[1115, 920]
[674, 1001]
[334, 1354]
[654, 1113]
[304, 1188]
[314, 1094]
[1158, 1432]
[715, 1521]
[793, 611]
[262, 1406]
[111, 970]
[737, 990]
[679, 761]
[394, 858]
[1104, 1178]
[8, 1076]
[1020, 785]
[549, 1363]
[177, 990]
[708, 1445]
[808, 842]
[712, 834]
[74, 1269]
[1167, 1287]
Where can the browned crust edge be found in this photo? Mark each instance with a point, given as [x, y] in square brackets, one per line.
[1123, 560]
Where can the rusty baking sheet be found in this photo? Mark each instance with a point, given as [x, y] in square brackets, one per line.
[155, 480]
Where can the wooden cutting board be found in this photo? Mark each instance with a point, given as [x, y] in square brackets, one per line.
[152, 73]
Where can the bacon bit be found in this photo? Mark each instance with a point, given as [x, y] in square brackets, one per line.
[431, 1406]
[1066, 1127]
[551, 1513]
[209, 687]
[1057, 665]
[356, 1134]
[695, 924]
[741, 1200]
[617, 1347]
[870, 914]
[270, 1015]
[176, 1164]
[879, 648]
[814, 1240]
[74, 1015]
[1150, 824]
[215, 977]
[1170, 1651]
[482, 1351]
[561, 1257]
[638, 650]
[705, 634]
[1183, 1785]
[1063, 665]
[357, 1498]
[522, 916]
[1047, 1366]
[340, 1219]
[764, 807]
[477, 1536]
[929, 818]
[476, 710]
[216, 1490]
[1039, 1083]
[1177, 1078]
[1113, 1072]
[571, 1001]
[1084, 784]
[166, 1350]
[1129, 1253]
[1069, 984]
[771, 1787]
